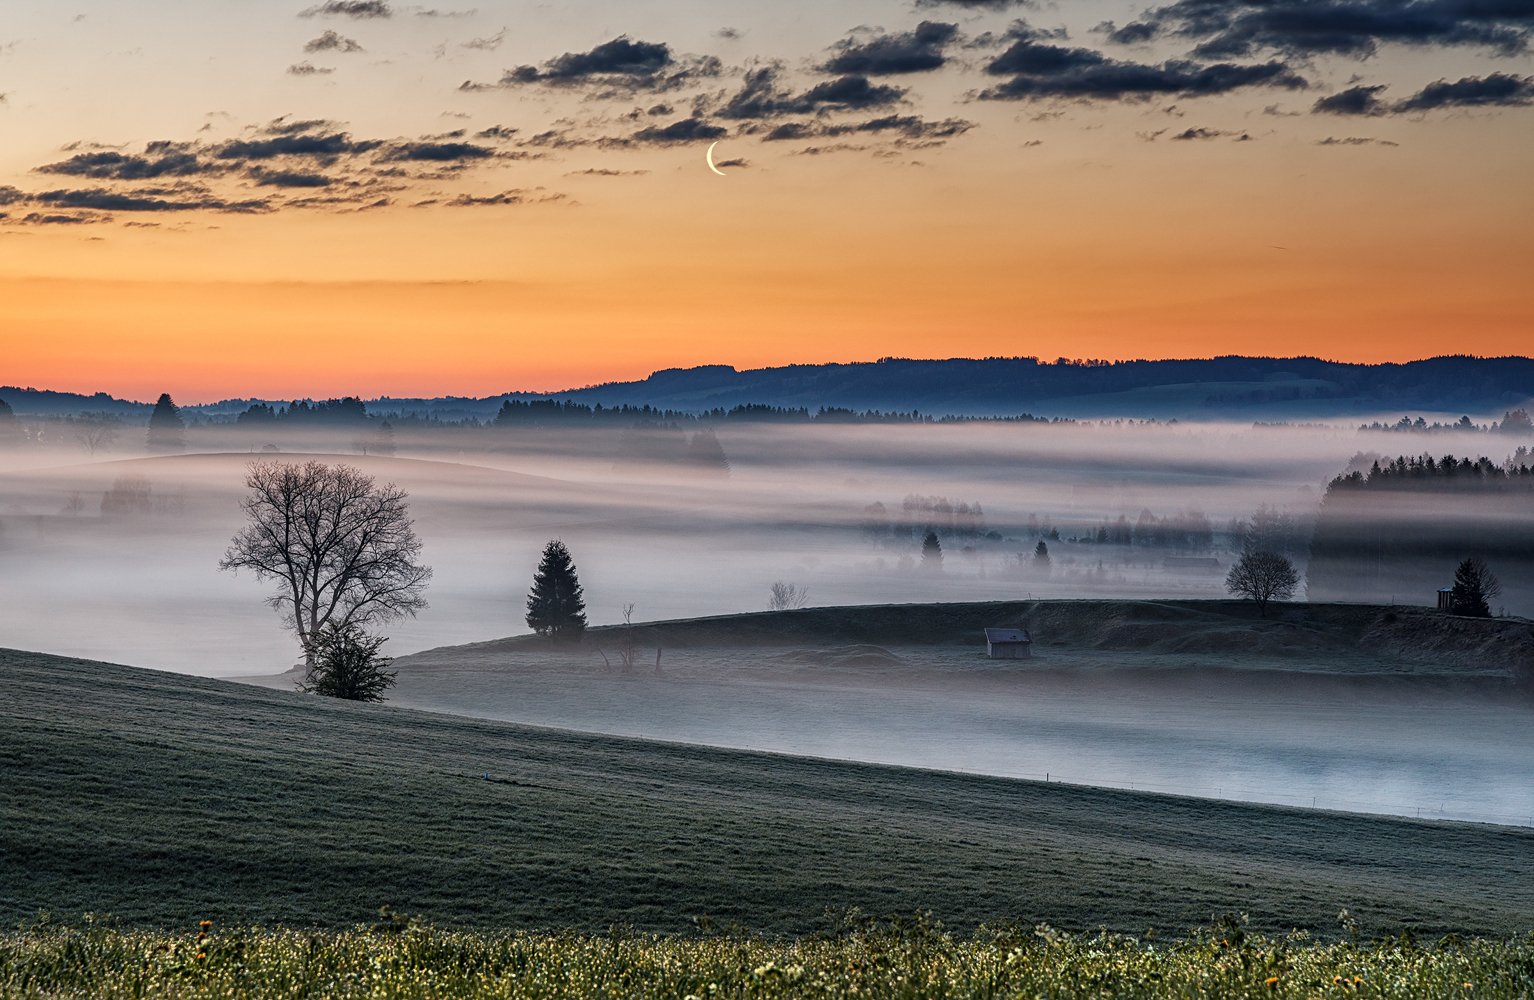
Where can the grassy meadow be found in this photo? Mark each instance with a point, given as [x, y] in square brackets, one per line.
[164, 799]
[908, 959]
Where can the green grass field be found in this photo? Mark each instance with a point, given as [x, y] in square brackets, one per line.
[163, 800]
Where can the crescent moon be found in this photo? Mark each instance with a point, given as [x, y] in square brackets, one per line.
[709, 156]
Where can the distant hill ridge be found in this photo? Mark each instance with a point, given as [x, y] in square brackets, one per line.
[1211, 388]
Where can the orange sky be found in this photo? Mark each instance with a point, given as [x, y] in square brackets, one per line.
[1058, 229]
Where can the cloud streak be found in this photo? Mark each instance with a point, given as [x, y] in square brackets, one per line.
[1040, 70]
[1496, 90]
[915, 51]
[360, 9]
[1241, 28]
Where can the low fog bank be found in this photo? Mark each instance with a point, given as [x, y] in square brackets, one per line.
[117, 558]
[1462, 751]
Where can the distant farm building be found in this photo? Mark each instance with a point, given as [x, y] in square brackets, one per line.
[1446, 599]
[1008, 643]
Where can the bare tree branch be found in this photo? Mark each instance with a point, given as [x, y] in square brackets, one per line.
[341, 549]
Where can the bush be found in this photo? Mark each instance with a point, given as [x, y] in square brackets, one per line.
[347, 665]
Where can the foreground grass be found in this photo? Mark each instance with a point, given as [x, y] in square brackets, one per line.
[901, 959]
[166, 800]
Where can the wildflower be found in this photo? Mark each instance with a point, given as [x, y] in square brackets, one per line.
[1272, 980]
[206, 923]
[201, 955]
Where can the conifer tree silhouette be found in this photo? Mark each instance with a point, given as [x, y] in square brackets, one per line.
[556, 608]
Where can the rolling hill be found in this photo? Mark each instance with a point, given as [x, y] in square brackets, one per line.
[164, 799]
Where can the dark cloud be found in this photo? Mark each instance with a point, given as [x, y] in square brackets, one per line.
[160, 159]
[496, 132]
[10, 195]
[103, 200]
[513, 197]
[435, 152]
[1040, 70]
[605, 172]
[332, 42]
[1354, 141]
[47, 218]
[303, 138]
[621, 65]
[1191, 134]
[760, 96]
[728, 34]
[308, 69]
[1499, 90]
[661, 110]
[289, 179]
[884, 55]
[975, 4]
[620, 57]
[850, 92]
[350, 8]
[1353, 101]
[683, 130]
[790, 131]
[905, 126]
[1237, 28]
[1133, 33]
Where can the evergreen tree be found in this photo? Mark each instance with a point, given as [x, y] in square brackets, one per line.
[9, 432]
[167, 431]
[556, 608]
[1041, 556]
[705, 453]
[931, 553]
[1474, 587]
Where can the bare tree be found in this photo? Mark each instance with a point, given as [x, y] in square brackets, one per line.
[628, 651]
[341, 549]
[94, 431]
[1263, 577]
[787, 597]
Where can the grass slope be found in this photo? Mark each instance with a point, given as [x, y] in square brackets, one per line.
[164, 799]
[1386, 636]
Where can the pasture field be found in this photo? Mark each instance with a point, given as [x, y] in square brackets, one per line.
[164, 799]
[910, 960]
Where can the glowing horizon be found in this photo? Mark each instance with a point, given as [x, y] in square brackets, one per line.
[414, 215]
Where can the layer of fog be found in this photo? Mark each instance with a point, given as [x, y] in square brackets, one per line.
[1381, 745]
[142, 587]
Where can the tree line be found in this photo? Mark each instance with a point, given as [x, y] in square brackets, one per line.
[1401, 528]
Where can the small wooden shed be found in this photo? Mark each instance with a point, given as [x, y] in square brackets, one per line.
[1446, 599]
[1008, 643]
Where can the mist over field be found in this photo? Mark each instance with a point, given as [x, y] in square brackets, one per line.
[117, 559]
[837, 509]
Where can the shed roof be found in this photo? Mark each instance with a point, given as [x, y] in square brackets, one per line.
[1007, 635]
